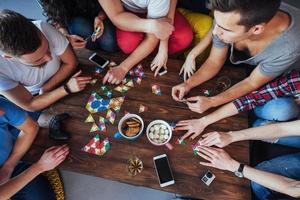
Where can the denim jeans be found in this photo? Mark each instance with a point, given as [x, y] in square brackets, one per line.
[287, 166]
[276, 110]
[85, 28]
[37, 189]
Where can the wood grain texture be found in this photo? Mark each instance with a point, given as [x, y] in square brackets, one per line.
[185, 165]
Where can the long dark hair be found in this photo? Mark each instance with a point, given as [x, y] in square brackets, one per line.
[62, 11]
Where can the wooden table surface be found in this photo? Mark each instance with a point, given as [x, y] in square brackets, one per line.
[185, 165]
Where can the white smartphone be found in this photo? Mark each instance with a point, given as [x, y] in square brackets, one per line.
[163, 170]
[100, 61]
[162, 71]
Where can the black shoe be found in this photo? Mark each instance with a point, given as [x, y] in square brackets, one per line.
[55, 127]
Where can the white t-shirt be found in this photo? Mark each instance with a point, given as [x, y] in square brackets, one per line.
[153, 8]
[13, 72]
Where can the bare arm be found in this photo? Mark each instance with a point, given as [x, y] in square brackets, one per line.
[251, 83]
[28, 132]
[209, 68]
[23, 98]
[271, 131]
[68, 66]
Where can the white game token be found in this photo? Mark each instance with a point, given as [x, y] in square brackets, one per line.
[156, 127]
[163, 127]
[166, 136]
[152, 129]
[151, 135]
[161, 137]
[162, 132]
[167, 131]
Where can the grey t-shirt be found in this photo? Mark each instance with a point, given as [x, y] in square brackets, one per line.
[281, 55]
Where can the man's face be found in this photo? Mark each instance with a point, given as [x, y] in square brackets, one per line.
[38, 58]
[227, 27]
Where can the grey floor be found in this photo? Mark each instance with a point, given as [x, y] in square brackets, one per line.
[77, 186]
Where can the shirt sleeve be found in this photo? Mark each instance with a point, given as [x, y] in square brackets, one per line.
[56, 39]
[278, 65]
[158, 9]
[14, 115]
[6, 83]
[286, 85]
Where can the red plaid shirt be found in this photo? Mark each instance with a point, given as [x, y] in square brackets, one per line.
[286, 85]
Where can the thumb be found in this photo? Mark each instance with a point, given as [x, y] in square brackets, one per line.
[195, 98]
[77, 74]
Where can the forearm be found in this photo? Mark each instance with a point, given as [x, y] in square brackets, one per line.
[207, 71]
[21, 146]
[271, 131]
[172, 9]
[273, 181]
[64, 72]
[223, 112]
[201, 46]
[142, 51]
[236, 91]
[40, 102]
[15, 184]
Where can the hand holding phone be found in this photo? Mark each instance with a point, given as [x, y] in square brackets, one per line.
[162, 71]
[163, 170]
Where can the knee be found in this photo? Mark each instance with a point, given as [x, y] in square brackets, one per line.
[80, 26]
[128, 41]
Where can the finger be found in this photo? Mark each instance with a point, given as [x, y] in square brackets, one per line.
[209, 151]
[203, 155]
[184, 76]
[183, 122]
[156, 71]
[106, 77]
[84, 82]
[194, 98]
[110, 78]
[113, 81]
[77, 74]
[84, 78]
[187, 134]
[51, 148]
[61, 152]
[209, 141]
[181, 70]
[181, 94]
[206, 164]
[195, 135]
[174, 92]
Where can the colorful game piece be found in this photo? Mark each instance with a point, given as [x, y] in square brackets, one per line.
[173, 125]
[122, 88]
[142, 108]
[116, 103]
[108, 94]
[196, 149]
[138, 80]
[129, 83]
[110, 116]
[117, 135]
[96, 147]
[180, 141]
[96, 103]
[206, 92]
[134, 166]
[98, 70]
[101, 124]
[94, 128]
[95, 33]
[89, 119]
[156, 90]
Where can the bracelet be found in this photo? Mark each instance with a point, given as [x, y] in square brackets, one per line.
[67, 89]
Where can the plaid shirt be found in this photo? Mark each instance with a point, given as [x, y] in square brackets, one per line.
[286, 85]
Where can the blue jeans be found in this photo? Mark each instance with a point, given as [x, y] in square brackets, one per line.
[276, 110]
[37, 189]
[287, 166]
[85, 28]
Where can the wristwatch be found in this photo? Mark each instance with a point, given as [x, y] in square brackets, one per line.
[67, 89]
[239, 173]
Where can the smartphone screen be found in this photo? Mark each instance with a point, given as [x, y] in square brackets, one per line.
[163, 170]
[99, 60]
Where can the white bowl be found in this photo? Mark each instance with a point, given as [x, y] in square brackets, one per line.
[128, 116]
[159, 122]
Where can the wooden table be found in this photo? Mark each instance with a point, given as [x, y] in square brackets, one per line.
[183, 162]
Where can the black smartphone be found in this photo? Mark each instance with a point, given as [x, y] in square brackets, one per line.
[100, 61]
[163, 170]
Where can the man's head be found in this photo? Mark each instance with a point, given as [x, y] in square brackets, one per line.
[239, 19]
[22, 40]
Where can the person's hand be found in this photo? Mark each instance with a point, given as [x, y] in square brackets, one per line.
[159, 61]
[5, 173]
[115, 75]
[162, 28]
[188, 68]
[52, 157]
[178, 91]
[199, 104]
[76, 41]
[98, 24]
[194, 127]
[78, 83]
[219, 139]
[218, 158]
